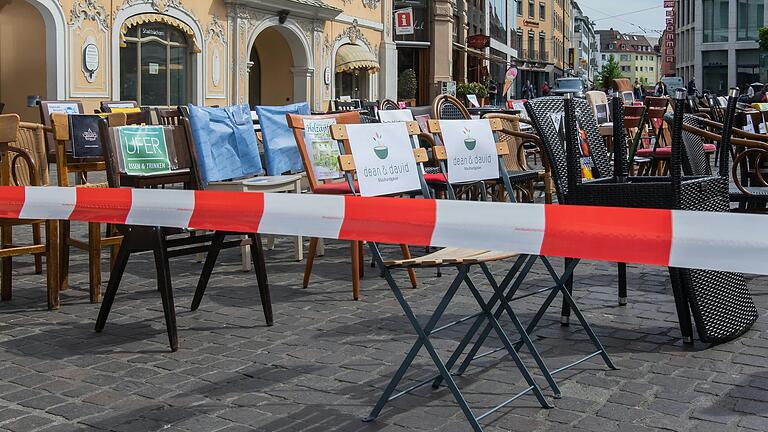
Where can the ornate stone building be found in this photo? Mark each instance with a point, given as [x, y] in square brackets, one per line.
[212, 52]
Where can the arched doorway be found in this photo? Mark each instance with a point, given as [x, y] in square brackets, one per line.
[279, 63]
[35, 64]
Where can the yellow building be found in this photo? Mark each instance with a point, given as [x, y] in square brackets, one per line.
[636, 55]
[211, 52]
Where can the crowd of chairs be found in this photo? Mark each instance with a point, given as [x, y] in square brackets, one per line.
[286, 142]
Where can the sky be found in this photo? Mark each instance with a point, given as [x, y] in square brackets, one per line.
[628, 16]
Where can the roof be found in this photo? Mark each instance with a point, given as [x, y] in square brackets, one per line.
[615, 41]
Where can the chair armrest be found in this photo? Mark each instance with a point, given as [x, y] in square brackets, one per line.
[34, 178]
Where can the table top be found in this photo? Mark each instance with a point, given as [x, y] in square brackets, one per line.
[256, 182]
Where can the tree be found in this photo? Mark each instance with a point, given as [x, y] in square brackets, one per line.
[762, 38]
[610, 71]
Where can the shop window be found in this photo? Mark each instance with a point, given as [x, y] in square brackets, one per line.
[715, 71]
[154, 65]
[716, 20]
[750, 19]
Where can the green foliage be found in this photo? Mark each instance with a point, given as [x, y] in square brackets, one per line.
[477, 89]
[610, 71]
[407, 85]
[762, 38]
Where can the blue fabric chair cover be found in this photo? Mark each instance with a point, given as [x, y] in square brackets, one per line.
[280, 151]
[225, 142]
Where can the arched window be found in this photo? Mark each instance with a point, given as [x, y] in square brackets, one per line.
[155, 65]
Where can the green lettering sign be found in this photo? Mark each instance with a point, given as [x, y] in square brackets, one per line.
[143, 150]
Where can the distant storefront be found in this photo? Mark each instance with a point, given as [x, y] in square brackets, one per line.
[212, 52]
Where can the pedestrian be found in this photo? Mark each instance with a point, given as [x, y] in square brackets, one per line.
[545, 89]
[493, 90]
[661, 89]
[638, 90]
[527, 90]
[692, 90]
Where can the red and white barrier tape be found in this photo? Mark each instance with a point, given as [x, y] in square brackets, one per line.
[716, 241]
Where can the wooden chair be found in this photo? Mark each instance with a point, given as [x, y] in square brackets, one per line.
[388, 104]
[169, 116]
[516, 161]
[330, 187]
[2, 107]
[447, 107]
[166, 243]
[66, 165]
[19, 167]
[46, 109]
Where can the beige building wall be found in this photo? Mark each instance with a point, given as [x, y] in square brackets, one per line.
[22, 60]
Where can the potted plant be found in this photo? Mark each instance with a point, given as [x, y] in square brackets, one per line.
[477, 89]
[407, 85]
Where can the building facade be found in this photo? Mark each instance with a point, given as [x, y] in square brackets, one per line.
[584, 45]
[717, 43]
[638, 58]
[206, 52]
[562, 37]
[534, 38]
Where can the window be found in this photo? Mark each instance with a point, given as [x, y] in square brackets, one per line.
[715, 71]
[603, 56]
[154, 65]
[625, 68]
[531, 10]
[716, 20]
[498, 20]
[626, 57]
[542, 11]
[542, 46]
[750, 19]
[520, 8]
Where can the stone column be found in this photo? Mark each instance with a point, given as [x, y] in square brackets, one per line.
[387, 81]
[442, 44]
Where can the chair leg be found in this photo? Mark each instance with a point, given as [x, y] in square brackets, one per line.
[310, 260]
[565, 315]
[94, 260]
[52, 262]
[114, 282]
[681, 305]
[355, 270]
[260, 267]
[411, 272]
[622, 284]
[6, 239]
[361, 259]
[64, 255]
[166, 291]
[37, 240]
[210, 262]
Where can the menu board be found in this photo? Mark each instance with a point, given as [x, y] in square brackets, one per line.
[384, 158]
[85, 135]
[473, 100]
[585, 156]
[471, 150]
[143, 150]
[392, 116]
[602, 113]
[63, 107]
[322, 149]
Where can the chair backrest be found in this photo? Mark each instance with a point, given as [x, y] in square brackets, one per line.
[9, 130]
[595, 98]
[388, 104]
[109, 106]
[545, 114]
[471, 152]
[447, 107]
[515, 160]
[225, 143]
[31, 140]
[281, 153]
[320, 140]
[168, 116]
[345, 105]
[370, 106]
[694, 160]
[2, 107]
[143, 117]
[56, 106]
[383, 156]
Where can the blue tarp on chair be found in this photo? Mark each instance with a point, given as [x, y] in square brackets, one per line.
[280, 151]
[225, 142]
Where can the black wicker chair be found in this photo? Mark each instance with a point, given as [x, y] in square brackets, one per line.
[388, 104]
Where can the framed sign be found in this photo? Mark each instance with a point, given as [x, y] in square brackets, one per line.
[154, 68]
[471, 150]
[394, 116]
[384, 158]
[404, 21]
[323, 150]
[602, 113]
[327, 76]
[473, 100]
[90, 60]
[628, 97]
[143, 150]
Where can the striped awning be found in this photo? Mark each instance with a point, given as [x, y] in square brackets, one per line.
[350, 57]
[159, 18]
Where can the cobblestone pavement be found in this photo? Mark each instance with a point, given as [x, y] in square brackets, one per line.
[326, 360]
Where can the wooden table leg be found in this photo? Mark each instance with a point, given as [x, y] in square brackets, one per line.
[6, 239]
[52, 262]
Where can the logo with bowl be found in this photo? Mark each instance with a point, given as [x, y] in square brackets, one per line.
[381, 150]
[469, 142]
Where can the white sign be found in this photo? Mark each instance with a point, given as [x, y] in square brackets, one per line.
[63, 107]
[628, 97]
[154, 68]
[383, 158]
[471, 150]
[322, 149]
[216, 68]
[473, 101]
[404, 21]
[394, 116]
[91, 57]
[327, 76]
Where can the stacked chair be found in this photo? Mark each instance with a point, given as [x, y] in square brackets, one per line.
[720, 302]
